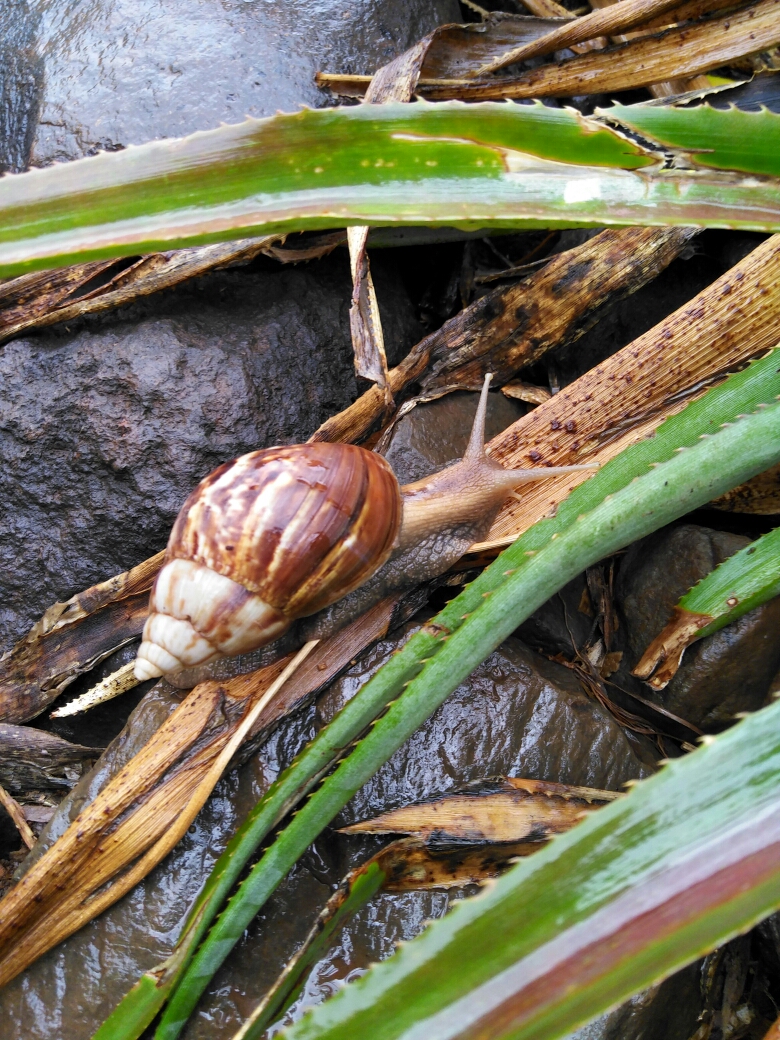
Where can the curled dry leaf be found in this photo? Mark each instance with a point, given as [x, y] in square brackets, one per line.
[73, 637]
[661, 661]
[678, 52]
[504, 809]
[36, 300]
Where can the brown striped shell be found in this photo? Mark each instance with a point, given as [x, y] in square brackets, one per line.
[272, 536]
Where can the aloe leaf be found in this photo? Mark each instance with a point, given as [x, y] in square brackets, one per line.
[468, 629]
[710, 140]
[745, 580]
[742, 392]
[486, 165]
[357, 889]
[651, 882]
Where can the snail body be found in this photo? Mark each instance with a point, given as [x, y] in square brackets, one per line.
[309, 529]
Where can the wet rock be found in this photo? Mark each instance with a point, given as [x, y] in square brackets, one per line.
[120, 72]
[518, 714]
[21, 71]
[437, 432]
[720, 675]
[106, 428]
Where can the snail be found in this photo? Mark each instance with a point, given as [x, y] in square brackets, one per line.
[315, 531]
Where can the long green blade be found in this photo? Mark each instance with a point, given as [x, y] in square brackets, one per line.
[467, 635]
[482, 165]
[690, 858]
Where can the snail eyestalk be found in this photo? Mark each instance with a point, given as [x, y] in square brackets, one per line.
[470, 492]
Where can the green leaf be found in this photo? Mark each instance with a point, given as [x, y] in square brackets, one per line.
[690, 858]
[745, 580]
[713, 138]
[357, 889]
[480, 165]
[446, 650]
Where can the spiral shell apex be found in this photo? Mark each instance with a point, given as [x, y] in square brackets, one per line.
[272, 536]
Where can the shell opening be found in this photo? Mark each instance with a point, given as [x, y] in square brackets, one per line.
[197, 615]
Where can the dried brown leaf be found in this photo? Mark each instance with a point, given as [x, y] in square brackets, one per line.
[73, 637]
[605, 22]
[661, 660]
[683, 51]
[626, 397]
[41, 299]
[512, 326]
[450, 51]
[505, 809]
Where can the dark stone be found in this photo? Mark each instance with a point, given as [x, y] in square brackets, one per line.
[517, 714]
[723, 674]
[106, 428]
[21, 71]
[120, 72]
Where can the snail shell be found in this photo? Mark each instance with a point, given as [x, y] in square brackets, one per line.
[270, 537]
[319, 528]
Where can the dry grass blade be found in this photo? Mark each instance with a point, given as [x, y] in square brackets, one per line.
[505, 809]
[605, 22]
[41, 299]
[73, 637]
[450, 51]
[143, 811]
[511, 326]
[680, 52]
[16, 813]
[627, 397]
